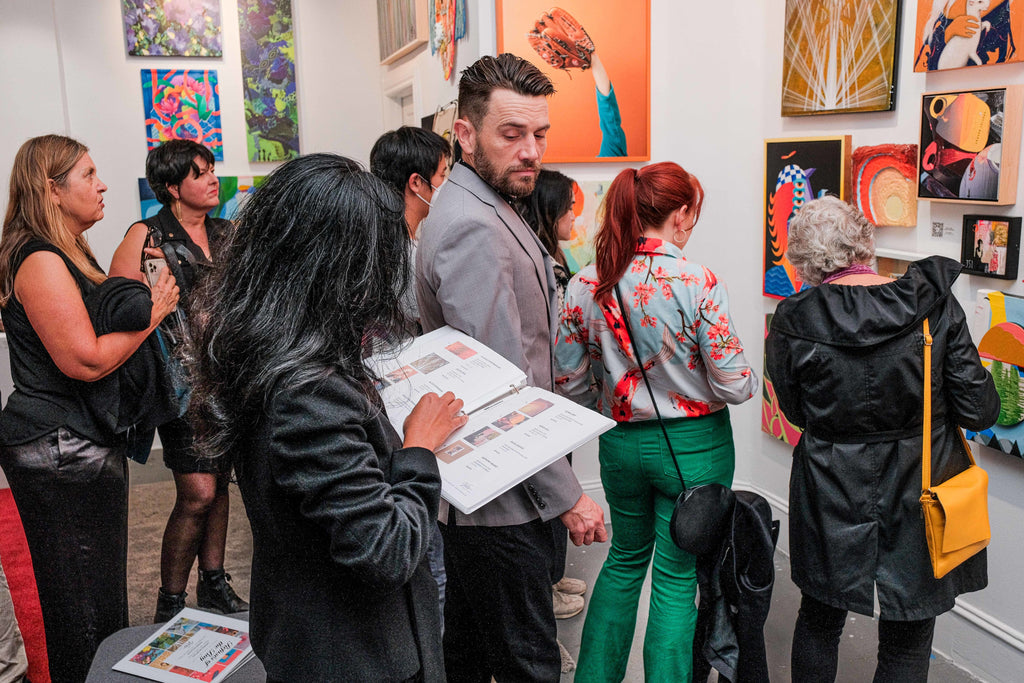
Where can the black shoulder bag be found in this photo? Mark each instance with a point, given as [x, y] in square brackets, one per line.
[702, 513]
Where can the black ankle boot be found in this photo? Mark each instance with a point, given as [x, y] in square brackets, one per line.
[167, 605]
[214, 593]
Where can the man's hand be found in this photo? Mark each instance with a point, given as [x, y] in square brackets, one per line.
[585, 522]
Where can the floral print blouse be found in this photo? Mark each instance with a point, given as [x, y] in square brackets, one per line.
[679, 316]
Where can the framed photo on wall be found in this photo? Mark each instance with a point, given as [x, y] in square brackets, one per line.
[797, 170]
[991, 246]
[970, 145]
[402, 27]
[840, 57]
[597, 54]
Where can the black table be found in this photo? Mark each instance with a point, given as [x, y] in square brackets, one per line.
[117, 645]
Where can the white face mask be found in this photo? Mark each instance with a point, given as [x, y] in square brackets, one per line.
[433, 196]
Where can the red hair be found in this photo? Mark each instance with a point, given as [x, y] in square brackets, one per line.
[638, 200]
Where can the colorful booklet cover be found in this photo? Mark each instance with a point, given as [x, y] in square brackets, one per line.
[514, 430]
[193, 646]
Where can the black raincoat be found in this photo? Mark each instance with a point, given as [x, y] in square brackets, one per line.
[847, 364]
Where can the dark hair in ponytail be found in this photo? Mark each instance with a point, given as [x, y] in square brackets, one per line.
[638, 200]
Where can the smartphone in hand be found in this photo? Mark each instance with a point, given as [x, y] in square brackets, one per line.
[152, 267]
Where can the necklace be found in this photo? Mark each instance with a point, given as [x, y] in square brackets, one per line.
[855, 269]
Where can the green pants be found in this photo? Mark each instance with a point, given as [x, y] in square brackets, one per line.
[641, 486]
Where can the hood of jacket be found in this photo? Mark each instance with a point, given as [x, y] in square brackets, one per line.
[841, 315]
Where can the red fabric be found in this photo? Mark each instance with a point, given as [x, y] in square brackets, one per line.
[17, 565]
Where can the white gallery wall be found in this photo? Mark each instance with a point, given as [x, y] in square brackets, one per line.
[715, 83]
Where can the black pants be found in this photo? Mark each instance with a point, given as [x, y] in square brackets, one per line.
[498, 618]
[72, 495]
[904, 647]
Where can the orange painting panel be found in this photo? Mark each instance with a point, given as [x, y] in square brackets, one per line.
[946, 34]
[621, 35]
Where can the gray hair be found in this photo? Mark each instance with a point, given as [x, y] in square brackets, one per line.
[827, 235]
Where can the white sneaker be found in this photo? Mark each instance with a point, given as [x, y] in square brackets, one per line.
[566, 605]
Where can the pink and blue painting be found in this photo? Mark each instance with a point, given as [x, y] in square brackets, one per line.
[172, 28]
[182, 104]
[268, 79]
[234, 190]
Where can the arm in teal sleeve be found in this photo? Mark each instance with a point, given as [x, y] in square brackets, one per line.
[613, 138]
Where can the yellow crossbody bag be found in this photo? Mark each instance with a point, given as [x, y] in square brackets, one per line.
[956, 511]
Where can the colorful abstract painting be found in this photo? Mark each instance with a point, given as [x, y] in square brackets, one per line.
[268, 79]
[579, 249]
[178, 28]
[182, 105]
[233, 191]
[953, 33]
[885, 182]
[839, 56]
[773, 422]
[970, 145]
[797, 170]
[999, 331]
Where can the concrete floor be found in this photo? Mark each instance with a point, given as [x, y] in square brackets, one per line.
[856, 654]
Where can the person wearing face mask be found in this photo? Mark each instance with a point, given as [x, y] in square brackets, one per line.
[181, 173]
[66, 466]
[413, 161]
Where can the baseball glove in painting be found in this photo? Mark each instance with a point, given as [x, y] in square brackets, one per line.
[560, 40]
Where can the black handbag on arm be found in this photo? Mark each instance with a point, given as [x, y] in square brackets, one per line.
[703, 512]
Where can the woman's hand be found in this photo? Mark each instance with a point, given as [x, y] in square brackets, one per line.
[165, 297]
[432, 420]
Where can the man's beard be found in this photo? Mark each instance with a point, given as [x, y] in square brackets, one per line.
[503, 181]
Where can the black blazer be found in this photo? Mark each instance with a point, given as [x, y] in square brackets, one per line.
[341, 518]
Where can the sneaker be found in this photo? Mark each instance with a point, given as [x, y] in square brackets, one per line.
[566, 605]
[214, 593]
[568, 663]
[167, 605]
[571, 586]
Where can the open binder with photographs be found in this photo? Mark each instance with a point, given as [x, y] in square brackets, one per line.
[514, 430]
[194, 645]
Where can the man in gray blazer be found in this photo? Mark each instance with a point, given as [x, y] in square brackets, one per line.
[481, 269]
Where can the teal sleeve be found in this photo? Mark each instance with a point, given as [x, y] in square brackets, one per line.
[613, 138]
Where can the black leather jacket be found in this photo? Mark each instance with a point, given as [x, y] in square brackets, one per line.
[847, 366]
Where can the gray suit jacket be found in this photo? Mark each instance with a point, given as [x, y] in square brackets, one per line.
[482, 270]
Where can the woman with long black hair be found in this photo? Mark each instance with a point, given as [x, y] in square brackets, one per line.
[341, 507]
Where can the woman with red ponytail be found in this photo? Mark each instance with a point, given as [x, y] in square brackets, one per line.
[678, 314]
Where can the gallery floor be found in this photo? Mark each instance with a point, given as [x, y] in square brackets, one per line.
[152, 496]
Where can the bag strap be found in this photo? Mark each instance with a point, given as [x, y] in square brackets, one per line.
[926, 442]
[647, 383]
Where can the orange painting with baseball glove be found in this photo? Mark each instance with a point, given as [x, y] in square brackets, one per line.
[581, 46]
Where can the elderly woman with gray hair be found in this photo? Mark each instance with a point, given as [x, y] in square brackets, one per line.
[846, 361]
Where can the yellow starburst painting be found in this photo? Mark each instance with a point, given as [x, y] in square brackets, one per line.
[839, 56]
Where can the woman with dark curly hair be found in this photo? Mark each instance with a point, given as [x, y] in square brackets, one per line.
[180, 172]
[342, 509]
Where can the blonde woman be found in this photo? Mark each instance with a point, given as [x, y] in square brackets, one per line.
[67, 471]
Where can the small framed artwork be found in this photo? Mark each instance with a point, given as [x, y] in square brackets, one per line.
[797, 170]
[991, 246]
[885, 182]
[970, 145]
[862, 36]
[402, 27]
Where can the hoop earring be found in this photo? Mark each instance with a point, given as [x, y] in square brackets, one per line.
[675, 237]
